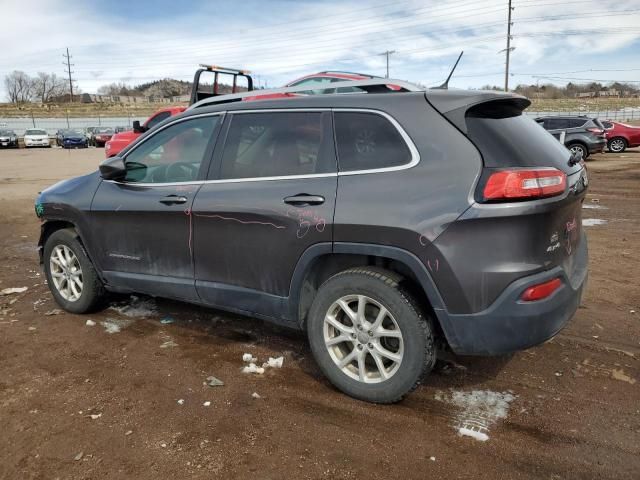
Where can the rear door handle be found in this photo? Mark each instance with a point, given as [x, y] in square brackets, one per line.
[302, 200]
[173, 200]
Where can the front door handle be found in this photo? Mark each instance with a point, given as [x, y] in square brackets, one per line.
[302, 200]
[173, 200]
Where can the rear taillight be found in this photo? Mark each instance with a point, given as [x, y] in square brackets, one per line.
[596, 131]
[524, 184]
[541, 291]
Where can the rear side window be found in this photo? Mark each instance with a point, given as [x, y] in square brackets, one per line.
[576, 122]
[275, 144]
[157, 119]
[368, 141]
[507, 138]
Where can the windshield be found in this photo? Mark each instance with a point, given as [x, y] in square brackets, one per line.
[7, 132]
[35, 132]
[103, 130]
[74, 132]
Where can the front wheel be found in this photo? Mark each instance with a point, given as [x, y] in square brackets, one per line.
[72, 279]
[368, 335]
[617, 145]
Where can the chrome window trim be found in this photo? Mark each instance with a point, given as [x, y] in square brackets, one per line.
[415, 155]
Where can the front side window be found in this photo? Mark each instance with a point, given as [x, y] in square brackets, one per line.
[174, 154]
[368, 141]
[274, 144]
[157, 119]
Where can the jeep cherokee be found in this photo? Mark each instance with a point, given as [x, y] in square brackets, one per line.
[381, 224]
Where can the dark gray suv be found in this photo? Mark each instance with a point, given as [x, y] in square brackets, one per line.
[381, 224]
[583, 135]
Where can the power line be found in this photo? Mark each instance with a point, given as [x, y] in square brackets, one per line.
[508, 49]
[69, 65]
[386, 54]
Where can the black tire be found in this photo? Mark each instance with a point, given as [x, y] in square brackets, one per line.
[580, 147]
[93, 294]
[617, 145]
[384, 287]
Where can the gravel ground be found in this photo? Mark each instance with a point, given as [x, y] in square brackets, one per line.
[79, 402]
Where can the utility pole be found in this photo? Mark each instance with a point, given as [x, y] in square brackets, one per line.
[387, 53]
[508, 49]
[68, 64]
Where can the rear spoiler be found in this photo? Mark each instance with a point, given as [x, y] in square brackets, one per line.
[456, 105]
[377, 85]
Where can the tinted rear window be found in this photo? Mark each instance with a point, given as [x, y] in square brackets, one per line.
[367, 141]
[506, 138]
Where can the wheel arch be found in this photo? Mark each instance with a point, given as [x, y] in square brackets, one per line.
[49, 227]
[322, 261]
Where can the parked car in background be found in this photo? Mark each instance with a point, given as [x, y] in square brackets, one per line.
[582, 134]
[8, 139]
[89, 134]
[120, 140]
[36, 137]
[621, 136]
[121, 129]
[393, 223]
[59, 135]
[74, 139]
[101, 135]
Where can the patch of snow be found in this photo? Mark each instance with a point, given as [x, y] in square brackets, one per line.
[137, 308]
[479, 410]
[114, 325]
[252, 368]
[90, 323]
[95, 416]
[467, 432]
[207, 404]
[592, 206]
[169, 344]
[181, 402]
[9, 291]
[247, 357]
[256, 395]
[274, 362]
[591, 222]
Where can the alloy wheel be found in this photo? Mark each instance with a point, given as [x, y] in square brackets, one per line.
[616, 145]
[363, 339]
[66, 273]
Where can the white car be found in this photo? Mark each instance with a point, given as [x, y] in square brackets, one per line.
[35, 137]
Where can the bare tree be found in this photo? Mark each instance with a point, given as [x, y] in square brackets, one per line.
[47, 86]
[19, 86]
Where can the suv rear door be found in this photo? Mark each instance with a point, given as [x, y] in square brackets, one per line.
[270, 196]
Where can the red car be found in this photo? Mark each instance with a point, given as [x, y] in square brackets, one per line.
[122, 139]
[100, 136]
[621, 136]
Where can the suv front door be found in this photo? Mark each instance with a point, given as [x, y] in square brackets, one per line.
[270, 197]
[142, 224]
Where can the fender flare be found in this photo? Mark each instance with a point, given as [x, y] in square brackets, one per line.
[410, 260]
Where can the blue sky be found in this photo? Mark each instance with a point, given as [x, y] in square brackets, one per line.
[280, 40]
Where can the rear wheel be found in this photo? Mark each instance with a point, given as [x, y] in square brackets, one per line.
[617, 145]
[578, 147]
[368, 335]
[72, 278]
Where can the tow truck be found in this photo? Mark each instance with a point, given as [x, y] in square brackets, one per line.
[206, 84]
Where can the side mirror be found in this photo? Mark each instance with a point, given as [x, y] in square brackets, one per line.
[113, 169]
[137, 128]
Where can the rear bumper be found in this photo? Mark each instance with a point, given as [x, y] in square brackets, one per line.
[598, 147]
[510, 324]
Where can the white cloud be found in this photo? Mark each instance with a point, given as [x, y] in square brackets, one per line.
[282, 40]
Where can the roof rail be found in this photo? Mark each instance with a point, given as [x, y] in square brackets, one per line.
[376, 85]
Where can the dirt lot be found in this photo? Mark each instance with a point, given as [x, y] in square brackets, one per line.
[78, 402]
